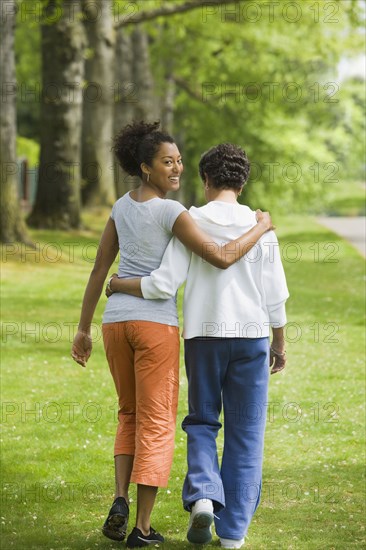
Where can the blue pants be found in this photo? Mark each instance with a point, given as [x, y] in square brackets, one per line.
[233, 372]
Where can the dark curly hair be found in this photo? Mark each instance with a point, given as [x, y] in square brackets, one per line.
[226, 165]
[137, 143]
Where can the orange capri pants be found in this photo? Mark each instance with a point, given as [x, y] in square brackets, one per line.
[143, 359]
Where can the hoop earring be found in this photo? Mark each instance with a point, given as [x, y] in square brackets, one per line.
[148, 177]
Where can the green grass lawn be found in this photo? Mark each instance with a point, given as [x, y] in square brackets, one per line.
[59, 419]
[345, 199]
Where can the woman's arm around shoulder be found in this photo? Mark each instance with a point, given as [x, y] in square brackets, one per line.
[188, 232]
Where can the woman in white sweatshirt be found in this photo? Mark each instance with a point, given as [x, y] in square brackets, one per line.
[227, 320]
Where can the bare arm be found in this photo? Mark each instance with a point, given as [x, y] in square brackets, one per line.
[188, 232]
[106, 254]
[127, 286]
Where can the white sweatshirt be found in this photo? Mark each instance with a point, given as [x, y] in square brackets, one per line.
[242, 301]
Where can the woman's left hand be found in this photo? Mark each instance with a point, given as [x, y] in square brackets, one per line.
[277, 361]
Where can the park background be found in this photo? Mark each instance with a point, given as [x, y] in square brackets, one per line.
[283, 80]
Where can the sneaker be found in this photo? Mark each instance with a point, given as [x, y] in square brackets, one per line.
[231, 543]
[115, 526]
[136, 539]
[199, 527]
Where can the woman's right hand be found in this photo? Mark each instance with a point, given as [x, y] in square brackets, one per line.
[108, 289]
[81, 348]
[264, 219]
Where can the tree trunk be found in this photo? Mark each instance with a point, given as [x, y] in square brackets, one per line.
[135, 97]
[97, 158]
[167, 108]
[146, 108]
[167, 123]
[124, 102]
[58, 194]
[12, 225]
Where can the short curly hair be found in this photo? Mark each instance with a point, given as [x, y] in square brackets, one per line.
[137, 143]
[226, 165]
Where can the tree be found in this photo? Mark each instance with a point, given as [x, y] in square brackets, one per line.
[12, 226]
[58, 193]
[268, 84]
[124, 99]
[222, 73]
[28, 74]
[146, 108]
[172, 9]
[125, 77]
[97, 159]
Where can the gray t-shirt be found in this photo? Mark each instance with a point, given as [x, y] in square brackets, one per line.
[144, 230]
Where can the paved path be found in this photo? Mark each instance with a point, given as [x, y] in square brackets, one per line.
[352, 229]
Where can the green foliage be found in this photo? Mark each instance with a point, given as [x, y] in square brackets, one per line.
[29, 149]
[260, 74]
[61, 418]
[352, 99]
[270, 85]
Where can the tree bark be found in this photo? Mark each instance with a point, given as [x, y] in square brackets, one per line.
[12, 225]
[135, 98]
[124, 101]
[97, 158]
[167, 122]
[167, 108]
[146, 106]
[124, 89]
[58, 194]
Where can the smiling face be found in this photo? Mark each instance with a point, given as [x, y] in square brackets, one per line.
[165, 170]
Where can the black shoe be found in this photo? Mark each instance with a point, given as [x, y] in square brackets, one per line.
[136, 539]
[115, 526]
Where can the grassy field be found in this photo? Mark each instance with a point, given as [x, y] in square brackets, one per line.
[59, 419]
[345, 199]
